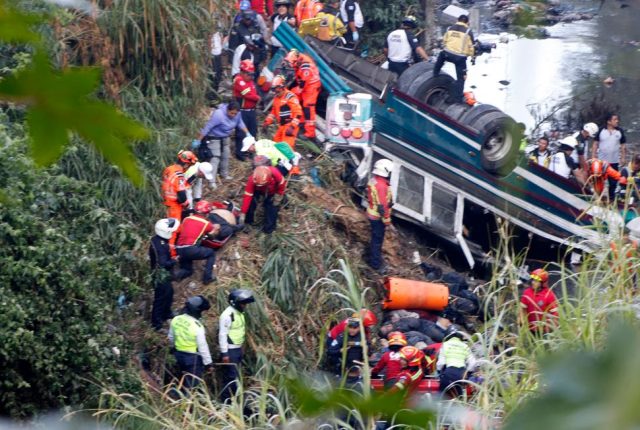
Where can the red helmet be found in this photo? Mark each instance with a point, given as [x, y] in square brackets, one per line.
[278, 82]
[262, 175]
[412, 355]
[540, 275]
[397, 338]
[597, 168]
[247, 66]
[369, 319]
[203, 207]
[292, 57]
[187, 157]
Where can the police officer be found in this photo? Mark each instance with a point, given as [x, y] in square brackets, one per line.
[454, 360]
[187, 336]
[231, 336]
[161, 264]
[458, 44]
[401, 46]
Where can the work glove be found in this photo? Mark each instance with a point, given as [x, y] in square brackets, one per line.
[195, 144]
[290, 131]
[241, 218]
[356, 36]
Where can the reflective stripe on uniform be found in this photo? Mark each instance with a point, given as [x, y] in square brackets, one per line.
[455, 353]
[237, 329]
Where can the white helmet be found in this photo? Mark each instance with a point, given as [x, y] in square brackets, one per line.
[383, 168]
[166, 226]
[247, 142]
[569, 141]
[207, 170]
[591, 128]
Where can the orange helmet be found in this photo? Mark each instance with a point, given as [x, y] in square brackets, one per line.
[540, 275]
[203, 207]
[397, 338]
[292, 56]
[412, 355]
[278, 82]
[187, 157]
[369, 319]
[247, 66]
[262, 175]
[597, 168]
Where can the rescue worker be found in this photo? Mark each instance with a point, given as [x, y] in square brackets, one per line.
[266, 183]
[193, 177]
[161, 264]
[541, 155]
[454, 360]
[346, 352]
[583, 137]
[261, 7]
[380, 201]
[280, 154]
[539, 304]
[330, 19]
[194, 228]
[249, 26]
[246, 94]
[457, 44]
[609, 145]
[632, 173]
[282, 15]
[402, 47]
[600, 171]
[174, 186]
[351, 15]
[307, 88]
[215, 137]
[187, 336]
[563, 164]
[306, 9]
[368, 318]
[246, 51]
[286, 111]
[231, 338]
[412, 361]
[390, 360]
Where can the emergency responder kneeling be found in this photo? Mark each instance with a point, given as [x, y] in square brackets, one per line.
[231, 337]
[457, 46]
[187, 336]
[454, 360]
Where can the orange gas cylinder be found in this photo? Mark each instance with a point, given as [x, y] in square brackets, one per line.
[409, 294]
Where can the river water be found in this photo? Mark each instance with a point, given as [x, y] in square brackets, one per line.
[539, 74]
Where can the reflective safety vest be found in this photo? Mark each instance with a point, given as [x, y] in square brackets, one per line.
[172, 183]
[274, 151]
[377, 186]
[185, 329]
[457, 40]
[237, 330]
[455, 353]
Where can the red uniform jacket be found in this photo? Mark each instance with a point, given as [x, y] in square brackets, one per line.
[275, 186]
[391, 362]
[192, 229]
[339, 328]
[245, 92]
[410, 381]
[263, 7]
[539, 305]
[379, 193]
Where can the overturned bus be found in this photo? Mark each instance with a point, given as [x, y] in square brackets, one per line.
[457, 168]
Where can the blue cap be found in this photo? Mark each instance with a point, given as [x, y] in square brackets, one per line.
[245, 5]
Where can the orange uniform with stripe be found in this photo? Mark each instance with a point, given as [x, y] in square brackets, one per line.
[308, 88]
[287, 112]
[379, 196]
[173, 182]
[307, 9]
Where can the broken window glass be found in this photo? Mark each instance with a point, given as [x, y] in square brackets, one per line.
[443, 209]
[411, 190]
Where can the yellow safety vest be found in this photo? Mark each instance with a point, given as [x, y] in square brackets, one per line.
[457, 40]
[185, 329]
[455, 353]
[237, 330]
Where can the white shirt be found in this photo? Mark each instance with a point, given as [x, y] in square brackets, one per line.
[201, 341]
[559, 165]
[399, 47]
[216, 43]
[237, 58]
[194, 191]
[223, 331]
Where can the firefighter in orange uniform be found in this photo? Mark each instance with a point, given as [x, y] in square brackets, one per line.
[306, 9]
[379, 211]
[600, 171]
[287, 112]
[307, 87]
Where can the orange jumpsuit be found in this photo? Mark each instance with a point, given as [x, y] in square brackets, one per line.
[173, 182]
[599, 181]
[307, 89]
[306, 9]
[287, 112]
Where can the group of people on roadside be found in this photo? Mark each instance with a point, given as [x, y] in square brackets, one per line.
[604, 172]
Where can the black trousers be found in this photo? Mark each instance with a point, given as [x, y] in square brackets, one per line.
[449, 376]
[375, 246]
[612, 182]
[270, 212]
[231, 374]
[191, 367]
[460, 61]
[398, 68]
[191, 253]
[250, 119]
[216, 68]
[162, 300]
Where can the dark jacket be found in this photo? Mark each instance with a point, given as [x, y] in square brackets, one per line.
[354, 351]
